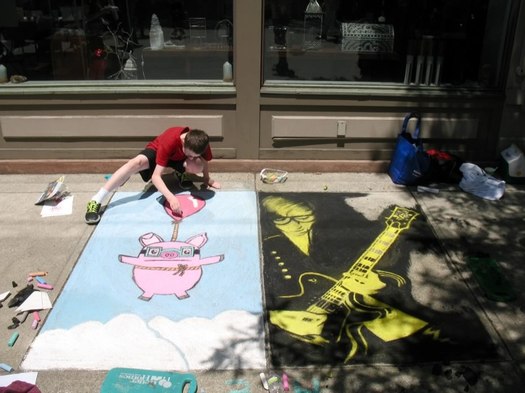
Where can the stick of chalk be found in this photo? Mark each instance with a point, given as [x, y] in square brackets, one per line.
[34, 325]
[34, 274]
[264, 381]
[6, 367]
[316, 384]
[45, 286]
[286, 384]
[36, 316]
[13, 339]
[40, 280]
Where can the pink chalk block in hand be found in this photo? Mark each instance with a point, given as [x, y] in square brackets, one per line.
[44, 286]
[189, 205]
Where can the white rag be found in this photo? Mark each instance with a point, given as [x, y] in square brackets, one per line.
[476, 181]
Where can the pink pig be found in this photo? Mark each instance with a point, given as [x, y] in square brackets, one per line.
[167, 268]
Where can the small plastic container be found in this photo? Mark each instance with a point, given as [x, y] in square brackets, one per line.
[272, 176]
[274, 384]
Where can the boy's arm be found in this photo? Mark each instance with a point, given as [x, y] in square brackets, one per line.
[206, 176]
[158, 182]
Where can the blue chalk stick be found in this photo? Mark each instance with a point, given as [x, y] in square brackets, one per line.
[6, 367]
[40, 280]
[13, 339]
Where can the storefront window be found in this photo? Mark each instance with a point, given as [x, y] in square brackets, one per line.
[61, 40]
[445, 43]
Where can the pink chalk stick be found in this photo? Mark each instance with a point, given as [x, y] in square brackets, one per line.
[44, 286]
[286, 385]
[36, 316]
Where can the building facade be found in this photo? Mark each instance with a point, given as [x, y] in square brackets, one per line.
[267, 79]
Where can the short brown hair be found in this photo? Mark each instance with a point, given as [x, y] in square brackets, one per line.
[197, 141]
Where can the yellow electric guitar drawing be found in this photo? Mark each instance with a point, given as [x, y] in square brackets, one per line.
[360, 280]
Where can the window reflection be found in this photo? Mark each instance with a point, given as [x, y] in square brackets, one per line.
[411, 42]
[112, 39]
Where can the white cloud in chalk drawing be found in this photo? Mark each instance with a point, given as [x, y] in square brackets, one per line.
[233, 339]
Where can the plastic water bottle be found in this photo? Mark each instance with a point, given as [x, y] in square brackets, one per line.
[156, 35]
[3, 73]
[227, 72]
[274, 384]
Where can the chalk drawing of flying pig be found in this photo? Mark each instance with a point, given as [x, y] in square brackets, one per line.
[168, 268]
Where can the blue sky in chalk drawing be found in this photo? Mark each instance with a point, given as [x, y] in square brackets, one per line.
[100, 287]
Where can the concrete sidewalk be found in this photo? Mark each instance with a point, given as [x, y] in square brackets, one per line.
[463, 223]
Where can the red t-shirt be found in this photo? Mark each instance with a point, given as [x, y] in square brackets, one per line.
[168, 146]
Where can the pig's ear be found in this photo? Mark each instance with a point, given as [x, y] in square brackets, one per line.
[149, 238]
[198, 240]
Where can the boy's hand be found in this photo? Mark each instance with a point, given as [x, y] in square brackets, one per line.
[212, 183]
[175, 206]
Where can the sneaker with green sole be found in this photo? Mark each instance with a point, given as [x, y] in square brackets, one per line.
[92, 212]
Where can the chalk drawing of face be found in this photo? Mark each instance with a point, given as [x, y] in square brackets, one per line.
[294, 219]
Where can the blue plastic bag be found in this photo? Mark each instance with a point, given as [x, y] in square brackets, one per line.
[410, 163]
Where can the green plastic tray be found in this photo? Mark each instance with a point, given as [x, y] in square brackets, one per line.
[131, 380]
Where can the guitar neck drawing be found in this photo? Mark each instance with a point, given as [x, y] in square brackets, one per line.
[360, 278]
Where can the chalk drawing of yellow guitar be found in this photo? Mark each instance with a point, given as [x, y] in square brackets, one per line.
[352, 294]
